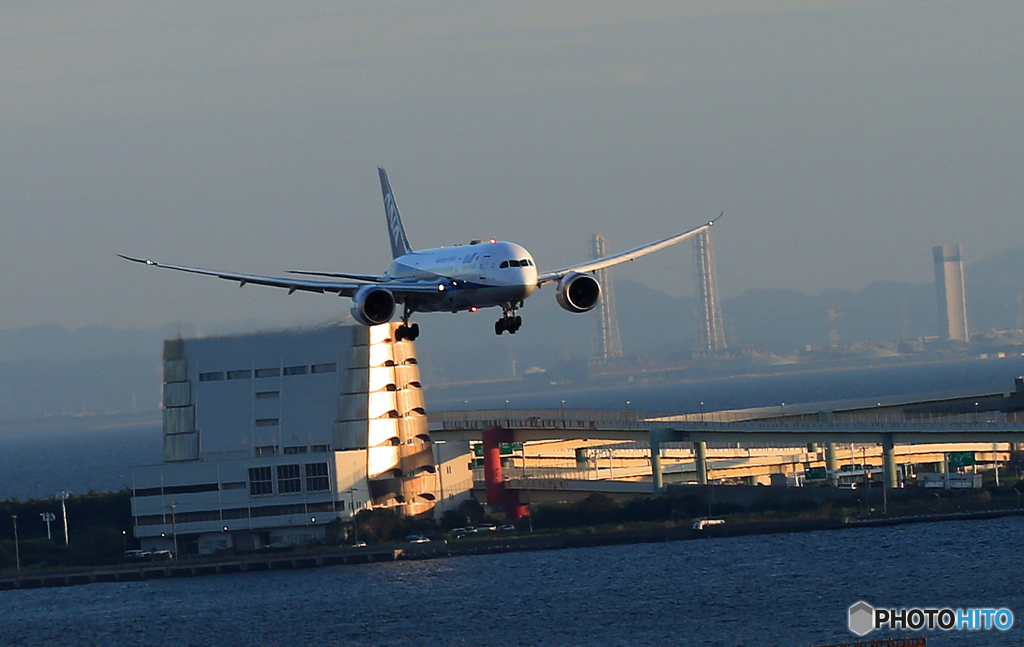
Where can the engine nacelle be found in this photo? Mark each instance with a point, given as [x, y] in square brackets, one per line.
[373, 305]
[578, 292]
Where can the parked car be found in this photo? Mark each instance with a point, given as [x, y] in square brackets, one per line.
[136, 554]
[507, 527]
[417, 539]
[358, 544]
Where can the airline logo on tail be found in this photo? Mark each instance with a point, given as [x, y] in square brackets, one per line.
[399, 242]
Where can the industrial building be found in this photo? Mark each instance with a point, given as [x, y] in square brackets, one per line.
[270, 437]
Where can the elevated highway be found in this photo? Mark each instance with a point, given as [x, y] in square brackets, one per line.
[495, 426]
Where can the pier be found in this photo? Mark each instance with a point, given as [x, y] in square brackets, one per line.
[248, 563]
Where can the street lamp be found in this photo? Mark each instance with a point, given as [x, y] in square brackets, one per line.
[702, 411]
[174, 528]
[63, 496]
[47, 517]
[17, 548]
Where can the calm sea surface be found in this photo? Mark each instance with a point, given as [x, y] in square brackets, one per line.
[774, 590]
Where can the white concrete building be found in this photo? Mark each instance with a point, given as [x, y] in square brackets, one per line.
[270, 437]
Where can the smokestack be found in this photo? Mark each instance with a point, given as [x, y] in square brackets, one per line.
[949, 286]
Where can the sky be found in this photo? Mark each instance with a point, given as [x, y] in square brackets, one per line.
[842, 140]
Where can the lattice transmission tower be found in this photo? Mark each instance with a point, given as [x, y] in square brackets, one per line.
[607, 343]
[710, 333]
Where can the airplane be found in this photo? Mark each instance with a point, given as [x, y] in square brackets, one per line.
[483, 274]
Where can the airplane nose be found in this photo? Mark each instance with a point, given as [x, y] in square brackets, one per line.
[528, 278]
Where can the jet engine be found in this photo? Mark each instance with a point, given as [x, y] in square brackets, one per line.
[373, 305]
[578, 292]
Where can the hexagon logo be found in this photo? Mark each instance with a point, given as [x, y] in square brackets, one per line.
[862, 618]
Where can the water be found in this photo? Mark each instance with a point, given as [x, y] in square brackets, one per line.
[793, 385]
[773, 590]
[86, 455]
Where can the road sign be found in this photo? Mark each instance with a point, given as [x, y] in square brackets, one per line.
[961, 459]
[815, 473]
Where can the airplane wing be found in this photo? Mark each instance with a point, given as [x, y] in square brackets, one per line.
[342, 288]
[622, 257]
[369, 278]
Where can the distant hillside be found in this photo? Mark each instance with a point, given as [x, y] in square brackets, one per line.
[53, 370]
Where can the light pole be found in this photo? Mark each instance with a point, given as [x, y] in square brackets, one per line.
[174, 528]
[17, 548]
[355, 524]
[48, 517]
[124, 541]
[702, 411]
[561, 409]
[526, 481]
[63, 496]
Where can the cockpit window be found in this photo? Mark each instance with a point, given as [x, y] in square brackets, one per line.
[514, 263]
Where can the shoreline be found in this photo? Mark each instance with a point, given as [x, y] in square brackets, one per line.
[319, 557]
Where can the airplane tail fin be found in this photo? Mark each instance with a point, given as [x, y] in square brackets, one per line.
[396, 232]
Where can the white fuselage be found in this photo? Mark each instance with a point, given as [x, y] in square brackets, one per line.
[480, 275]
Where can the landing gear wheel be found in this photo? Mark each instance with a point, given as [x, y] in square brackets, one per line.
[511, 323]
[406, 331]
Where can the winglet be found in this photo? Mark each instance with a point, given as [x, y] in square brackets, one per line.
[396, 232]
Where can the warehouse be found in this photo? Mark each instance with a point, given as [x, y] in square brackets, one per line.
[271, 439]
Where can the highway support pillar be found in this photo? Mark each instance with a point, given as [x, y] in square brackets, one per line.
[831, 462]
[700, 450]
[657, 437]
[889, 461]
[493, 478]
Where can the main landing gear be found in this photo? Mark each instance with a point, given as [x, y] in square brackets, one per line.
[510, 321]
[407, 330]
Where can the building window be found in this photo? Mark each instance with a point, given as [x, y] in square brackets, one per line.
[295, 450]
[296, 370]
[268, 372]
[266, 450]
[321, 448]
[260, 482]
[288, 480]
[233, 485]
[332, 367]
[316, 477]
[240, 375]
[211, 377]
[268, 395]
[268, 422]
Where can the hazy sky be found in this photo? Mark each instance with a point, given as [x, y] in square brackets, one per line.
[842, 139]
